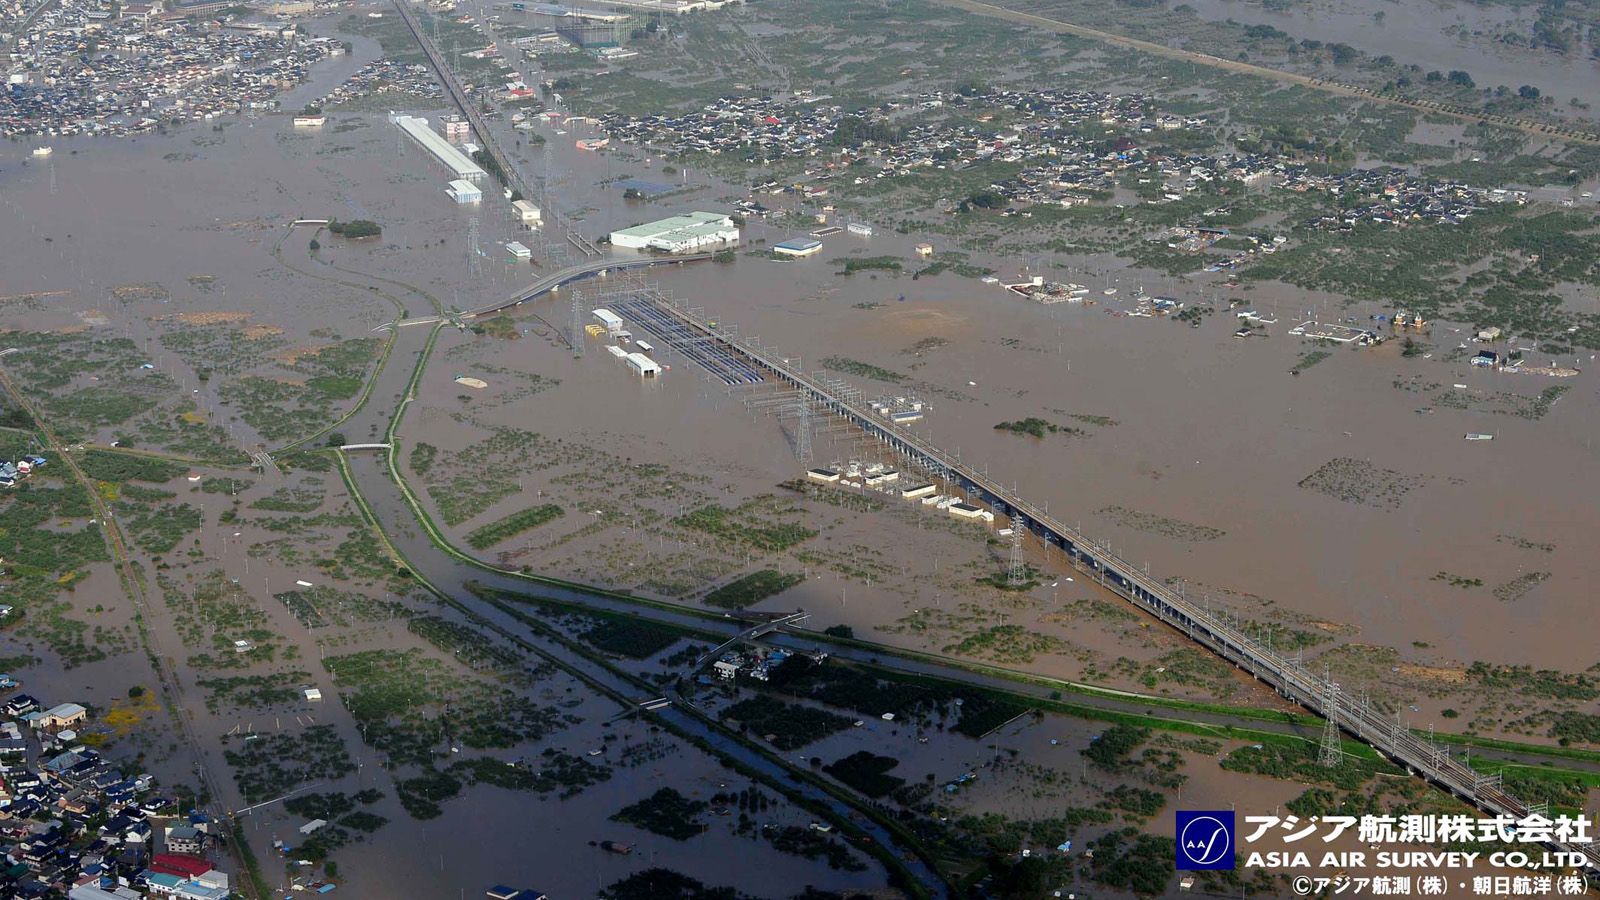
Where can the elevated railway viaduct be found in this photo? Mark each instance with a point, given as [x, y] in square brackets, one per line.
[1287, 676]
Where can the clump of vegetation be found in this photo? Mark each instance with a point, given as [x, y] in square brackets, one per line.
[656, 884]
[518, 522]
[864, 370]
[867, 773]
[1309, 360]
[355, 228]
[1136, 802]
[421, 795]
[1133, 861]
[1535, 683]
[751, 589]
[1009, 643]
[1032, 425]
[1359, 481]
[869, 263]
[108, 465]
[558, 773]
[721, 521]
[1518, 587]
[812, 844]
[667, 813]
[790, 725]
[630, 638]
[1298, 762]
[269, 765]
[1177, 529]
[1111, 748]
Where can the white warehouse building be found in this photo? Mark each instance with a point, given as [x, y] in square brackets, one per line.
[644, 365]
[679, 234]
[611, 320]
[464, 191]
[526, 211]
[460, 165]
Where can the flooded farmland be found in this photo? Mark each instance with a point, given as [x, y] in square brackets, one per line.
[1322, 492]
[1433, 35]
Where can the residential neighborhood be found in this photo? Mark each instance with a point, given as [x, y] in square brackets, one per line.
[1058, 138]
[91, 68]
[75, 823]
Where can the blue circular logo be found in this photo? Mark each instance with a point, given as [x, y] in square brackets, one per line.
[1204, 841]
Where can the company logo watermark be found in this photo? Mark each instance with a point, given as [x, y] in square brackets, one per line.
[1205, 839]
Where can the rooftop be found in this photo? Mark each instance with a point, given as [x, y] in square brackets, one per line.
[675, 223]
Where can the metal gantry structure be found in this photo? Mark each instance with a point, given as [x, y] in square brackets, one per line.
[1228, 638]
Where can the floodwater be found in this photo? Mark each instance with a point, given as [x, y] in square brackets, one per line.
[1208, 430]
[1434, 34]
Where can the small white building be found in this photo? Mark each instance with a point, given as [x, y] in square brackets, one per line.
[609, 319]
[462, 191]
[725, 670]
[313, 695]
[519, 250]
[310, 121]
[826, 476]
[526, 211]
[798, 248]
[643, 365]
[918, 490]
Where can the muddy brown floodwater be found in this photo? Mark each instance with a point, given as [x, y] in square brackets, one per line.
[1331, 500]
[1434, 35]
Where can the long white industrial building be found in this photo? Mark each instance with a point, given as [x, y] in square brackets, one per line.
[679, 233]
[457, 162]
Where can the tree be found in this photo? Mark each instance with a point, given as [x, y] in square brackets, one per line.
[356, 228]
[987, 199]
[839, 631]
[136, 692]
[336, 439]
[1528, 92]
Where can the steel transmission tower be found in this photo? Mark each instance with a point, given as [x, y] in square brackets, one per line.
[474, 255]
[1332, 752]
[802, 434]
[1018, 572]
[577, 323]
